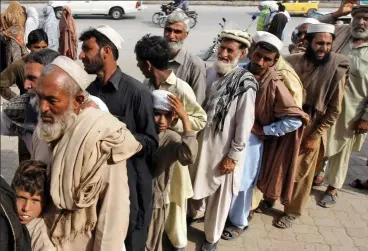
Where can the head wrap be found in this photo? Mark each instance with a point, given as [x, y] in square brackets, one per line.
[77, 73]
[237, 35]
[112, 35]
[359, 8]
[321, 28]
[274, 7]
[263, 36]
[161, 101]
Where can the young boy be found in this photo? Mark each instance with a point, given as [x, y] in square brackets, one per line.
[30, 186]
[172, 148]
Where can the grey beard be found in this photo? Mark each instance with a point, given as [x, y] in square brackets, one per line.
[358, 35]
[176, 46]
[51, 132]
[224, 68]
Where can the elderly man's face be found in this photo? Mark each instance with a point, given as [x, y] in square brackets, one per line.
[91, 56]
[321, 45]
[228, 55]
[359, 26]
[32, 72]
[175, 35]
[56, 107]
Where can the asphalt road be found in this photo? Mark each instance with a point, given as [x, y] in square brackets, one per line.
[133, 26]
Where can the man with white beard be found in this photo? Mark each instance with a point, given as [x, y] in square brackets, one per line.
[350, 130]
[87, 163]
[186, 66]
[216, 175]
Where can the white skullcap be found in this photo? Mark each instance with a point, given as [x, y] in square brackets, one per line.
[274, 7]
[309, 20]
[271, 39]
[160, 100]
[112, 35]
[237, 35]
[100, 103]
[73, 69]
[258, 35]
[321, 28]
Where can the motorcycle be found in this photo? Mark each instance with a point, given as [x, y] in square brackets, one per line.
[167, 9]
[216, 41]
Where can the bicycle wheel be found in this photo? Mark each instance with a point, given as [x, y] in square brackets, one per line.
[156, 17]
[162, 22]
[208, 53]
[192, 21]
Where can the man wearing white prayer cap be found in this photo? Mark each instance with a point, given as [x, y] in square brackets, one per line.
[350, 130]
[131, 102]
[323, 74]
[231, 94]
[298, 35]
[277, 117]
[173, 147]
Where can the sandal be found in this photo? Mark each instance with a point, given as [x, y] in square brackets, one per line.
[318, 181]
[265, 205]
[285, 221]
[207, 246]
[358, 184]
[328, 200]
[232, 232]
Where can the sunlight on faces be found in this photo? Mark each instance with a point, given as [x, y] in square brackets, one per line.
[359, 26]
[261, 60]
[91, 56]
[29, 206]
[175, 35]
[56, 109]
[228, 56]
[322, 45]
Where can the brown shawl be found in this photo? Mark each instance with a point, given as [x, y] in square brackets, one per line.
[278, 171]
[342, 33]
[68, 44]
[13, 21]
[325, 86]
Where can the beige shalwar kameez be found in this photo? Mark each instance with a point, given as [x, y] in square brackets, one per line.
[208, 183]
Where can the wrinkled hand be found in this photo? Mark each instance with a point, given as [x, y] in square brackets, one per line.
[89, 103]
[346, 8]
[227, 165]
[361, 126]
[177, 106]
[309, 145]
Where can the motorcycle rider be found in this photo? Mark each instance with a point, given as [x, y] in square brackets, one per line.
[182, 4]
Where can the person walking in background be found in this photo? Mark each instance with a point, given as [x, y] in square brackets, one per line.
[278, 23]
[51, 26]
[12, 31]
[68, 43]
[32, 23]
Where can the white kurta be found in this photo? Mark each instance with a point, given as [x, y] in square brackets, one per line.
[230, 142]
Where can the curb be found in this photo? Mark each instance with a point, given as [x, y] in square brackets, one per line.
[204, 2]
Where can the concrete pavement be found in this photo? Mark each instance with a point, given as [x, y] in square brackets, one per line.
[343, 228]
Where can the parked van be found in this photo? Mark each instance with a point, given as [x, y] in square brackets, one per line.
[114, 9]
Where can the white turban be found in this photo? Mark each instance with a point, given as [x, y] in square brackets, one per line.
[77, 73]
[237, 35]
[112, 35]
[309, 20]
[161, 101]
[263, 36]
[321, 28]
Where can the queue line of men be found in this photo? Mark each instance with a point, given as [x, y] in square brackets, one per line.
[242, 120]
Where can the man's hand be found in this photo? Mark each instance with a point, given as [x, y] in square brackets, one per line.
[345, 9]
[361, 126]
[309, 145]
[177, 106]
[227, 165]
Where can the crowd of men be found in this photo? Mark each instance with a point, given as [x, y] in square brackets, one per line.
[117, 164]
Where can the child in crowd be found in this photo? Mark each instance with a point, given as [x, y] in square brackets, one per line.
[32, 193]
[172, 147]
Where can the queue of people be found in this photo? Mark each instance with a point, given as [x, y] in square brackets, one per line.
[116, 164]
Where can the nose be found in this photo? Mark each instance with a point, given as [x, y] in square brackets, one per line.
[82, 55]
[26, 206]
[171, 35]
[44, 107]
[27, 84]
[223, 53]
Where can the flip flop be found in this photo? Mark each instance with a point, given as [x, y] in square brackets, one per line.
[358, 184]
[264, 205]
[328, 200]
[232, 232]
[285, 221]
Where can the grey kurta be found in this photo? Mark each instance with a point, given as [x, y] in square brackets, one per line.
[231, 142]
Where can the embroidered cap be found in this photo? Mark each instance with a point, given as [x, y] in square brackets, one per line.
[112, 35]
[321, 28]
[237, 35]
[263, 36]
[161, 101]
[75, 71]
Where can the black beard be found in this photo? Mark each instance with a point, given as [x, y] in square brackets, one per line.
[310, 55]
[95, 66]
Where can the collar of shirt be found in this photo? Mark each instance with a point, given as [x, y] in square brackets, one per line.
[171, 80]
[179, 58]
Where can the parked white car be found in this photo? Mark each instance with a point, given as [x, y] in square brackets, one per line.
[115, 9]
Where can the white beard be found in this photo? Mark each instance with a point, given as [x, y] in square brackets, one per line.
[358, 35]
[224, 68]
[176, 46]
[53, 131]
